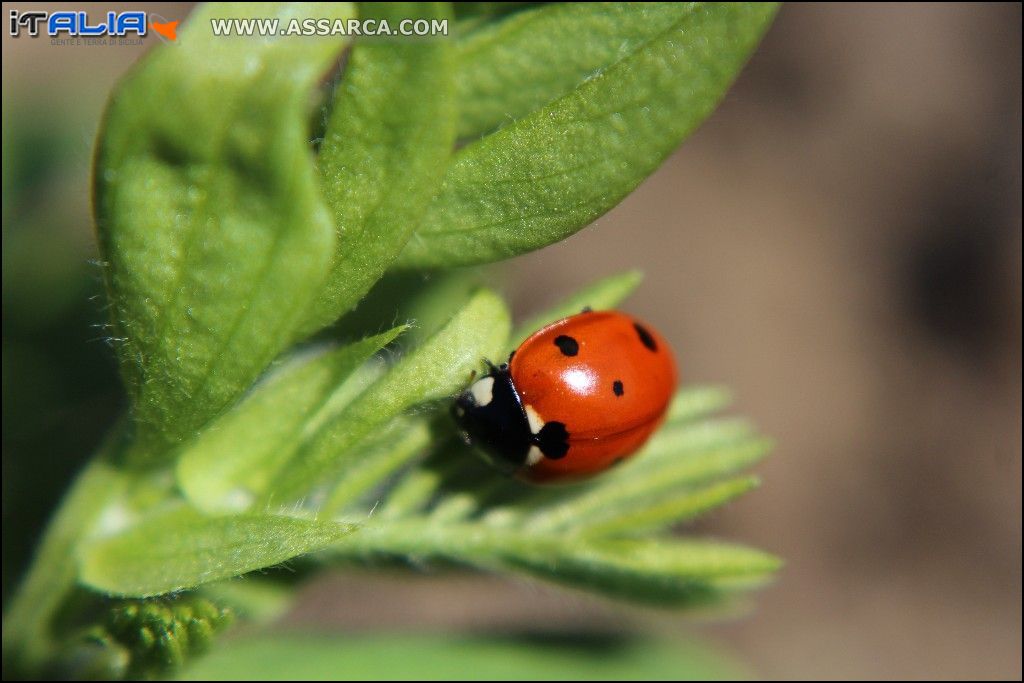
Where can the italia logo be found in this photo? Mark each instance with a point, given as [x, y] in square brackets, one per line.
[81, 25]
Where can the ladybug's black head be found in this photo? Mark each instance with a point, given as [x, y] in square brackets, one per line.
[492, 419]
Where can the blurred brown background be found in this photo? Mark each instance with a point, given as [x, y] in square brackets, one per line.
[840, 243]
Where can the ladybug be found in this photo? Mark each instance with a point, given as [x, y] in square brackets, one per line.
[575, 398]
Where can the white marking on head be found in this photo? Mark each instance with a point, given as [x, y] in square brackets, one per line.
[483, 391]
[533, 456]
[535, 420]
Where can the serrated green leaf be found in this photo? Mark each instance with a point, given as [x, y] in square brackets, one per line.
[634, 485]
[680, 440]
[641, 514]
[388, 139]
[183, 549]
[509, 68]
[435, 370]
[667, 571]
[660, 571]
[409, 495]
[214, 238]
[692, 402]
[402, 440]
[540, 656]
[545, 176]
[238, 455]
[603, 294]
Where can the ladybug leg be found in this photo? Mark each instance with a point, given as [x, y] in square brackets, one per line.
[587, 309]
[472, 375]
[491, 367]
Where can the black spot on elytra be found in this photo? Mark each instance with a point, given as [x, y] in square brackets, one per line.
[567, 345]
[645, 337]
[618, 388]
[553, 440]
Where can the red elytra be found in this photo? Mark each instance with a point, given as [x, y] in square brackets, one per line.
[606, 376]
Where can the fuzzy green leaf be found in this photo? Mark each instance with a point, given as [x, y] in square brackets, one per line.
[183, 549]
[238, 455]
[509, 68]
[210, 223]
[661, 571]
[642, 515]
[400, 442]
[425, 301]
[435, 370]
[388, 138]
[552, 172]
[700, 448]
[696, 401]
[411, 494]
[451, 657]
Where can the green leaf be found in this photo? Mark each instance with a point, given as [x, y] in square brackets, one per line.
[426, 301]
[639, 484]
[214, 237]
[435, 370]
[544, 656]
[401, 441]
[388, 138]
[603, 294]
[645, 515]
[696, 401]
[552, 172]
[508, 69]
[701, 448]
[183, 549]
[410, 495]
[239, 454]
[660, 571]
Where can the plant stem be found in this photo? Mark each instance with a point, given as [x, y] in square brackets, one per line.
[27, 640]
[427, 538]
